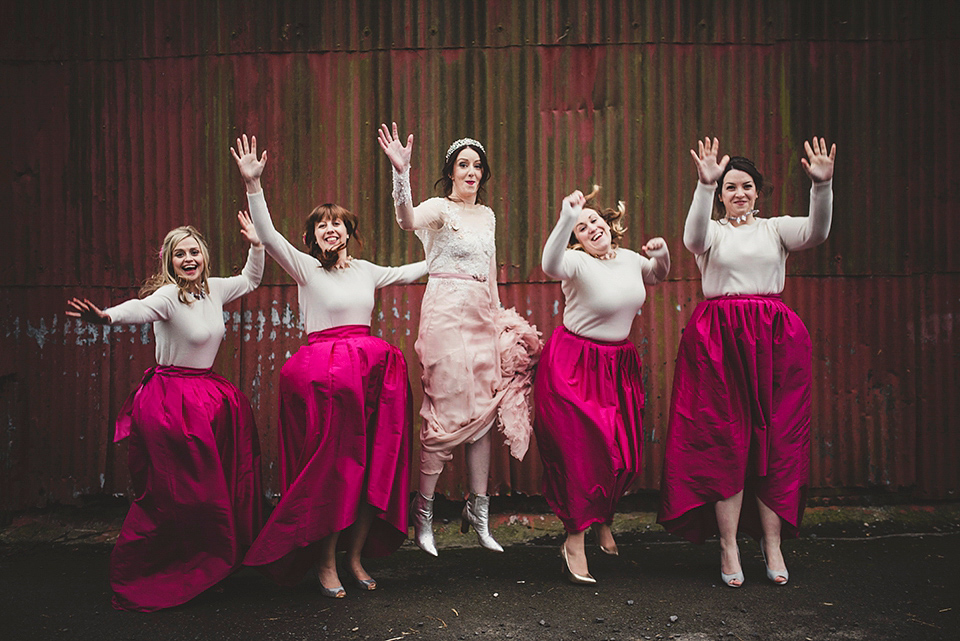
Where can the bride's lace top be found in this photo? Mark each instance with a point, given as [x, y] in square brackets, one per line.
[456, 242]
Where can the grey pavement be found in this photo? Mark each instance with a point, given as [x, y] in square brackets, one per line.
[849, 579]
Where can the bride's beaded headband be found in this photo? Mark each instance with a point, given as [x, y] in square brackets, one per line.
[463, 142]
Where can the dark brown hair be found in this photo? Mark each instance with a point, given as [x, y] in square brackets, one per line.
[329, 211]
[745, 165]
[446, 174]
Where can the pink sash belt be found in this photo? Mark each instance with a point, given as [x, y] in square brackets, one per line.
[477, 277]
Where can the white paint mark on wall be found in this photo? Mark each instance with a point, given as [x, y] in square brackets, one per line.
[40, 332]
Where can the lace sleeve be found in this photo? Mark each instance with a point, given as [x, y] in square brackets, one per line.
[401, 187]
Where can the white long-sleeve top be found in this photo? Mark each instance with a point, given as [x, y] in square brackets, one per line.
[334, 297]
[751, 259]
[602, 296]
[189, 335]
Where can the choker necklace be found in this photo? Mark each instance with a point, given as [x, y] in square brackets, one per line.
[344, 264]
[610, 255]
[742, 219]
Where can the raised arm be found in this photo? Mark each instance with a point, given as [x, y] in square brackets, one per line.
[408, 216]
[293, 261]
[698, 216]
[556, 246]
[804, 233]
[249, 278]
[659, 265]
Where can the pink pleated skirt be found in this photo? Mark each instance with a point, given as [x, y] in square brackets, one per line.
[589, 426]
[345, 430]
[739, 417]
[195, 467]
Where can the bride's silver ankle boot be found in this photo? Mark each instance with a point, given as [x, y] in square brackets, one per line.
[477, 513]
[421, 513]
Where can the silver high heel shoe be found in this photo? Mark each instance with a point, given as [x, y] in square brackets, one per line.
[332, 593]
[366, 584]
[736, 576]
[773, 576]
[421, 513]
[477, 513]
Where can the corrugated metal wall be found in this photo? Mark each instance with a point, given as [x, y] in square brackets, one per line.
[119, 116]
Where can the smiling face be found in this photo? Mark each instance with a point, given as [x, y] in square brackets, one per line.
[466, 175]
[331, 233]
[593, 232]
[187, 259]
[738, 194]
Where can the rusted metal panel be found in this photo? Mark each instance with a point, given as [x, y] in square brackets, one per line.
[864, 430]
[111, 30]
[123, 113]
[148, 138]
[934, 333]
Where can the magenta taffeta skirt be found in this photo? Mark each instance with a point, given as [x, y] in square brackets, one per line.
[346, 426]
[195, 467]
[589, 426]
[739, 417]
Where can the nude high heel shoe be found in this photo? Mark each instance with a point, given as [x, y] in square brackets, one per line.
[421, 513]
[477, 513]
[612, 550]
[579, 579]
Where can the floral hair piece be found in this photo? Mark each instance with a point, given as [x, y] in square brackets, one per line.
[463, 142]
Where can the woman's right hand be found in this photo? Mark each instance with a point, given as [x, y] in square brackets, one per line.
[85, 310]
[573, 205]
[708, 169]
[398, 154]
[246, 156]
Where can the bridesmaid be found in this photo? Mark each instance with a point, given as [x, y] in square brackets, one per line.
[194, 451]
[346, 415]
[738, 448]
[589, 385]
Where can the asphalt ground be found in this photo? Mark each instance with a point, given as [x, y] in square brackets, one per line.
[855, 573]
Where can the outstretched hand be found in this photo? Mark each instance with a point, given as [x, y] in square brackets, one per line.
[85, 310]
[398, 154]
[708, 169]
[246, 156]
[655, 247]
[247, 230]
[819, 167]
[573, 205]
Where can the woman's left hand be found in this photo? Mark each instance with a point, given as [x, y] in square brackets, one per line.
[247, 230]
[819, 167]
[246, 157]
[655, 248]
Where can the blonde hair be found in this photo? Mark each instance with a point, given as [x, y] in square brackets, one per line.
[166, 275]
[614, 218]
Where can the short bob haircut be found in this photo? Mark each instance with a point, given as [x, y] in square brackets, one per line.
[166, 275]
[329, 211]
[614, 218]
[745, 165]
[446, 174]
